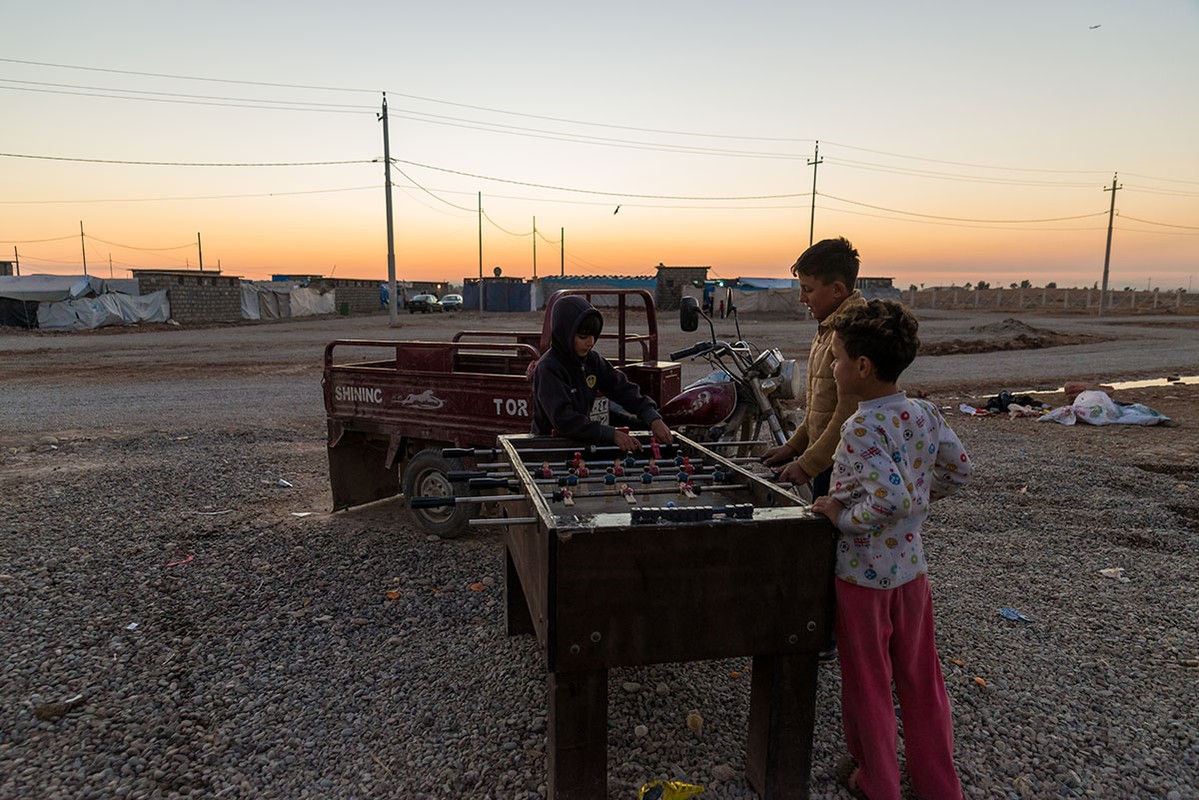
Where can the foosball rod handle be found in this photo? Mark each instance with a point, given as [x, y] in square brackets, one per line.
[467, 452]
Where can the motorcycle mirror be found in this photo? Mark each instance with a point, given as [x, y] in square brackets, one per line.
[688, 314]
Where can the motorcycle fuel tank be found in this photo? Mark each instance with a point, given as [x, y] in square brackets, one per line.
[701, 403]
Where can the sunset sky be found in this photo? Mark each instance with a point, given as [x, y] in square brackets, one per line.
[958, 141]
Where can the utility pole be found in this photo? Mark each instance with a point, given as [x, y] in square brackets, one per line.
[562, 251]
[16, 259]
[1107, 256]
[200, 248]
[534, 247]
[110, 266]
[815, 162]
[82, 247]
[391, 245]
[480, 255]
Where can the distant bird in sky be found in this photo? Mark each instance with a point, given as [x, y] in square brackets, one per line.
[1093, 27]
[617, 211]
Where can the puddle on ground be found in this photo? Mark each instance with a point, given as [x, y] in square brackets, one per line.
[1143, 383]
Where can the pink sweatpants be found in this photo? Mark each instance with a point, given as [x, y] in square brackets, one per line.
[885, 635]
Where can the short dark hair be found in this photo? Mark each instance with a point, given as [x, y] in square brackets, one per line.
[885, 331]
[829, 260]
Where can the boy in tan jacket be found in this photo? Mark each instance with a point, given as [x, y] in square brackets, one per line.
[827, 272]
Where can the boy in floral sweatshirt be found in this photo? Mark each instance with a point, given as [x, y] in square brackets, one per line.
[895, 456]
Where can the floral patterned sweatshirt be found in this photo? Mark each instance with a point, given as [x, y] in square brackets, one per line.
[895, 457]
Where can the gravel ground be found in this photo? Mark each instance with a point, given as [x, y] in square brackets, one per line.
[169, 627]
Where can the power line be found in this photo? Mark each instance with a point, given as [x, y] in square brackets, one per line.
[188, 77]
[962, 219]
[255, 104]
[188, 163]
[188, 197]
[589, 191]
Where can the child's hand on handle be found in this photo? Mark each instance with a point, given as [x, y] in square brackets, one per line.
[625, 442]
[828, 507]
[794, 473]
[661, 432]
[777, 456]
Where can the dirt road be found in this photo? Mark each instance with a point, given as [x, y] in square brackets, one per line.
[269, 373]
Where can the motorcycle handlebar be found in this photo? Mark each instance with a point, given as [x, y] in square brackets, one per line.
[694, 350]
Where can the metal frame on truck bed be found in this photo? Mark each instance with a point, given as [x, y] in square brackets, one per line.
[392, 406]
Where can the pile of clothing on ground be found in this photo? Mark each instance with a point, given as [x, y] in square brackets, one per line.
[1092, 406]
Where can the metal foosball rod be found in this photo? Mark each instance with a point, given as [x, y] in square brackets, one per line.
[441, 501]
[461, 452]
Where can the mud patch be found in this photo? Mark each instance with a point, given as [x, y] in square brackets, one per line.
[1021, 341]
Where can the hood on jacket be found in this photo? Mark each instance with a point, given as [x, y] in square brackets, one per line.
[568, 314]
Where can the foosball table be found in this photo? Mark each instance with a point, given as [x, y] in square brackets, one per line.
[676, 553]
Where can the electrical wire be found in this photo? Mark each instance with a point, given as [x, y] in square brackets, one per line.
[256, 104]
[134, 247]
[588, 191]
[187, 163]
[1162, 224]
[190, 197]
[963, 219]
[502, 228]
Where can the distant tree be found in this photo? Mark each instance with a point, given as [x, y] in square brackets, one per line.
[1026, 284]
[982, 285]
[912, 288]
[968, 286]
[1051, 285]
[1013, 285]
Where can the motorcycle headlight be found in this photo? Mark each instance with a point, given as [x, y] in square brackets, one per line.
[790, 380]
[768, 362]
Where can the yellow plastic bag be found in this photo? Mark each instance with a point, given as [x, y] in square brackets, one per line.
[668, 790]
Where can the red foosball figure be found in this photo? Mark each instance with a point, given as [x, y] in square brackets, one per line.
[627, 492]
[568, 497]
[546, 472]
[652, 467]
[617, 468]
[687, 466]
[583, 472]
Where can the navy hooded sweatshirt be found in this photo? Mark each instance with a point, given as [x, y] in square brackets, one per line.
[564, 385]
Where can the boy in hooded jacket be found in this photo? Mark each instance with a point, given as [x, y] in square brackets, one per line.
[567, 377]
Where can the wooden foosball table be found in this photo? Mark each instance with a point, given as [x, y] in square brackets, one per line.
[618, 562]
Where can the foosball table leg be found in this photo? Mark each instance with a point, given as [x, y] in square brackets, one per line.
[782, 716]
[577, 733]
[517, 618]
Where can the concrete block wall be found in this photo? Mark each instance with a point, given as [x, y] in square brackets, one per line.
[195, 296]
[355, 296]
[671, 281]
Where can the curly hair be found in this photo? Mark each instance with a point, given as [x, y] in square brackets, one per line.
[829, 260]
[885, 331]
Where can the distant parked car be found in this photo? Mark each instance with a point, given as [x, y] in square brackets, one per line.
[451, 302]
[424, 303]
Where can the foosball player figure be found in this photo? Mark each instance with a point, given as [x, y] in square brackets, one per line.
[686, 466]
[647, 477]
[618, 468]
[581, 469]
[627, 493]
[575, 461]
[678, 460]
[655, 448]
[546, 472]
[572, 479]
[609, 477]
[687, 490]
[718, 476]
[630, 462]
[568, 497]
[652, 467]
